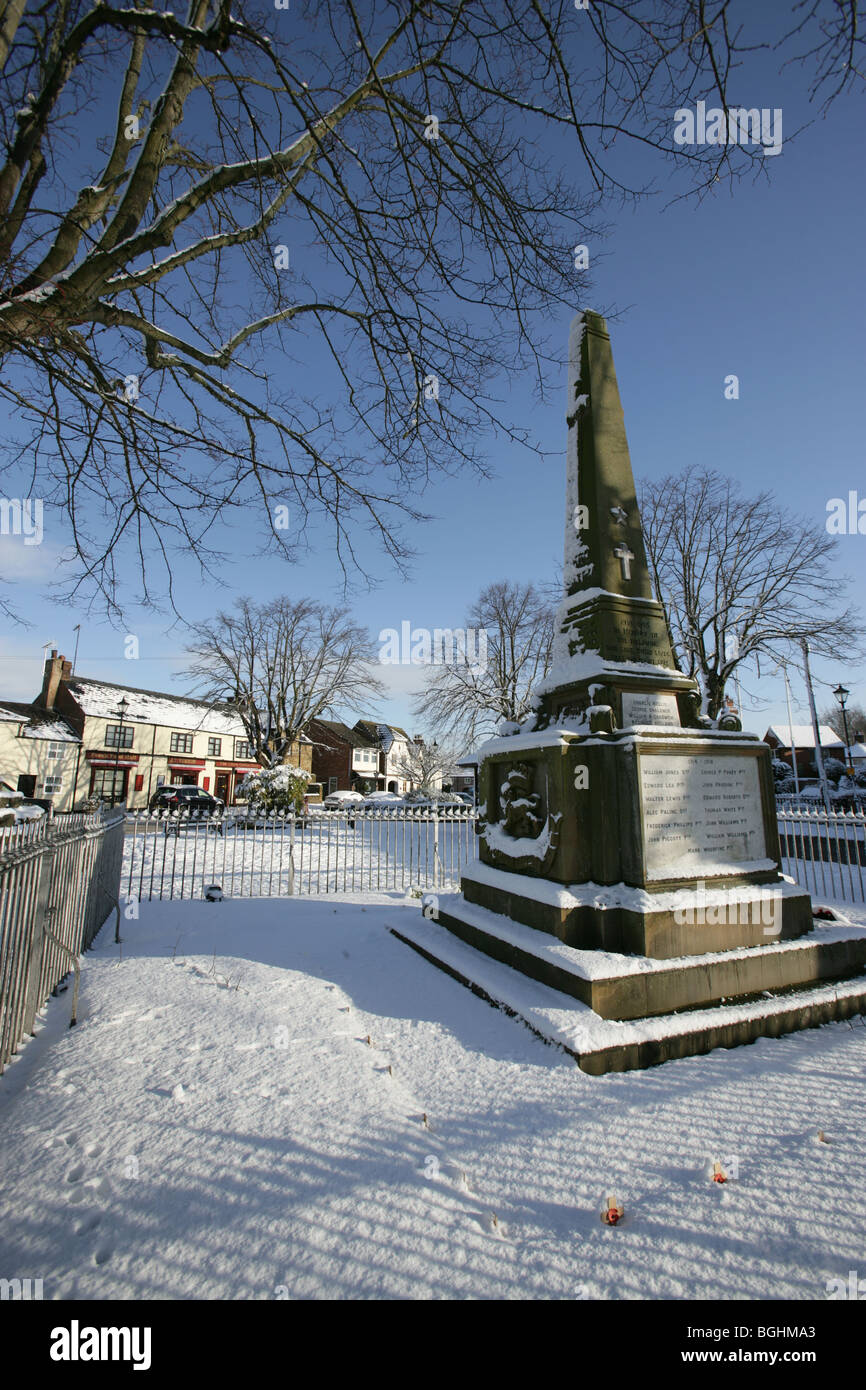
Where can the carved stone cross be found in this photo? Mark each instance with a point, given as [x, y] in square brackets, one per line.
[625, 556]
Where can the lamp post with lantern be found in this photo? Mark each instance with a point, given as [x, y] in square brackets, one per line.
[842, 696]
[122, 707]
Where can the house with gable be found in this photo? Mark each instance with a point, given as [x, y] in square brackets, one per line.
[39, 754]
[392, 745]
[131, 741]
[780, 736]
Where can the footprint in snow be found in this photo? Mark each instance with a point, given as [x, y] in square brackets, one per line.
[103, 1255]
[88, 1224]
[98, 1185]
[490, 1225]
[76, 1174]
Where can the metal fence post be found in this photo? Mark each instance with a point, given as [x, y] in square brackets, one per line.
[37, 937]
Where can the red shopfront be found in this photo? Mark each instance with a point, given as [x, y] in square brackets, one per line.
[109, 778]
[185, 772]
[228, 777]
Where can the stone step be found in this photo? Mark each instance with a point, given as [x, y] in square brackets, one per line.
[601, 1045]
[624, 987]
[661, 925]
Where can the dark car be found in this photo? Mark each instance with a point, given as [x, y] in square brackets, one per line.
[186, 801]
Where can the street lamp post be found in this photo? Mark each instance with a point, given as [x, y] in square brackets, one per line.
[121, 713]
[842, 696]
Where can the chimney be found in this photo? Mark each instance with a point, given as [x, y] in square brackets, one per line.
[57, 669]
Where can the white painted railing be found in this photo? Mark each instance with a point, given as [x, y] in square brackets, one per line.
[825, 852]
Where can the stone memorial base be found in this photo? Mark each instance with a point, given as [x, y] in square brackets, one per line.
[619, 986]
[618, 1013]
[702, 918]
[657, 842]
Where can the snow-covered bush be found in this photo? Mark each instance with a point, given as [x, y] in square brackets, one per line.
[781, 771]
[834, 769]
[275, 789]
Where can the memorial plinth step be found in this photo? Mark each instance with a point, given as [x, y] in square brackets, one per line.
[602, 1044]
[631, 921]
[625, 987]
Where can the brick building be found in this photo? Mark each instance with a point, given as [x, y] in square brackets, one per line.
[130, 742]
[343, 759]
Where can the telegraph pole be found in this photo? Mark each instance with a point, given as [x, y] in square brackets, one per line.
[791, 733]
[819, 758]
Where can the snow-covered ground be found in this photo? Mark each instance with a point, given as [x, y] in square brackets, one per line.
[239, 1114]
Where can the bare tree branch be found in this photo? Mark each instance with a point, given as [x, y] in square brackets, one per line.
[281, 665]
[469, 699]
[742, 579]
[156, 166]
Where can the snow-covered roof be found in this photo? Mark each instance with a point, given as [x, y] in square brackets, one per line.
[99, 700]
[38, 723]
[378, 734]
[803, 736]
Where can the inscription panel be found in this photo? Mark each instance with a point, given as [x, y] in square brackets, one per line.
[622, 637]
[650, 707]
[700, 813]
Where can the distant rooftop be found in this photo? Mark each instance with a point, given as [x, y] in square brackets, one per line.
[99, 699]
[803, 735]
[38, 723]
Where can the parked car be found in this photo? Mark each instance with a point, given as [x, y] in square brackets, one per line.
[341, 801]
[439, 802]
[186, 800]
[384, 800]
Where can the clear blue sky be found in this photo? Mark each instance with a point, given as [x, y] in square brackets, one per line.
[765, 281]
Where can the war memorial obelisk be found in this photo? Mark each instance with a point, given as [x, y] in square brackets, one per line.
[628, 901]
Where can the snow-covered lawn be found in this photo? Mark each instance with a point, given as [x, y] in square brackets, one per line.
[219, 1126]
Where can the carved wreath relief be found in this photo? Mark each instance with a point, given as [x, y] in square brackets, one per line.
[520, 804]
[525, 834]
